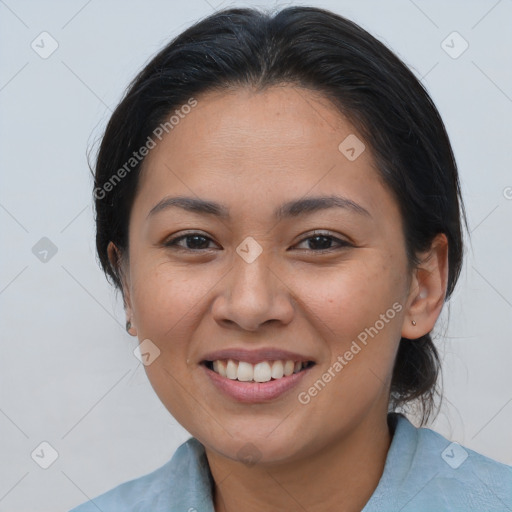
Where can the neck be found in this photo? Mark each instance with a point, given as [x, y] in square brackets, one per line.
[342, 476]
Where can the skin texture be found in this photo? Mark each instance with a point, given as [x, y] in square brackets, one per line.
[253, 151]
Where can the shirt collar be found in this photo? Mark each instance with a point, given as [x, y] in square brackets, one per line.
[193, 489]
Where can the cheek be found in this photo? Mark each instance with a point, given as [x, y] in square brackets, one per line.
[168, 301]
[358, 311]
[349, 299]
[168, 305]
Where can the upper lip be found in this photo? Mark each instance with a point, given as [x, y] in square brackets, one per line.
[255, 356]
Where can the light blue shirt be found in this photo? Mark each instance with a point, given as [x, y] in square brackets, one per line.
[423, 472]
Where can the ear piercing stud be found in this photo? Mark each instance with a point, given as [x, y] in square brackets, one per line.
[128, 326]
[413, 322]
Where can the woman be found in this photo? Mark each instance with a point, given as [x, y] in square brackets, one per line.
[278, 201]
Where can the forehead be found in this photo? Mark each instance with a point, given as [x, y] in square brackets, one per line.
[239, 124]
[259, 146]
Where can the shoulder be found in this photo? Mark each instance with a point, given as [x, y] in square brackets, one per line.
[182, 483]
[425, 471]
[453, 460]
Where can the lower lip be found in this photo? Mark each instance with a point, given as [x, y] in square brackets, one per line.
[255, 392]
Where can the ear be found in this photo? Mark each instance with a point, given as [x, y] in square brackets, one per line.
[115, 259]
[428, 290]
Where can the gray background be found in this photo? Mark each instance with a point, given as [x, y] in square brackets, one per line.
[68, 373]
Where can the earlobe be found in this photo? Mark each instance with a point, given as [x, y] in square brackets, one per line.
[427, 290]
[130, 329]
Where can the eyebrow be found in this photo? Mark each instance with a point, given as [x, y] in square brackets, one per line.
[290, 209]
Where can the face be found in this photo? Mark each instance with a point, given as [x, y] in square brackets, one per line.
[258, 279]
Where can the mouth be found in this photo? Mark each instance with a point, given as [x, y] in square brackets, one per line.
[260, 372]
[257, 375]
[261, 380]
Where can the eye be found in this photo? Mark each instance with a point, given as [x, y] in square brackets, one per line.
[190, 242]
[323, 242]
[194, 242]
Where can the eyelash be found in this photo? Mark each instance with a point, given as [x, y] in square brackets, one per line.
[172, 243]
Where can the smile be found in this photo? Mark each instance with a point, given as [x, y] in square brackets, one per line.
[255, 383]
[263, 371]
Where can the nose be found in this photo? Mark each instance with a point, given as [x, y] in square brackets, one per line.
[252, 295]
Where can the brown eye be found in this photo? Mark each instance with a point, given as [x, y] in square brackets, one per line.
[191, 242]
[324, 242]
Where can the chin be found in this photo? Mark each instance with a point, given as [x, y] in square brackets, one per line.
[253, 445]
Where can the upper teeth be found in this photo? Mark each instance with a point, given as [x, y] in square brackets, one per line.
[259, 372]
